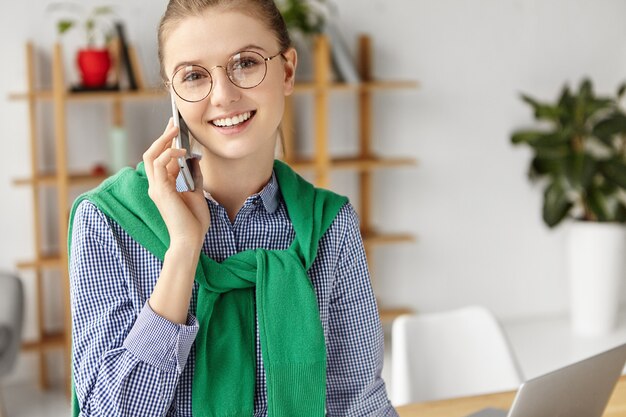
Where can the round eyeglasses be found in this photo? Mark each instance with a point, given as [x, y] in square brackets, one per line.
[245, 69]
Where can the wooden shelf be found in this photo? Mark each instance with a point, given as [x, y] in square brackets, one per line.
[45, 262]
[379, 85]
[50, 179]
[47, 341]
[371, 239]
[147, 94]
[387, 315]
[322, 163]
[152, 93]
[355, 163]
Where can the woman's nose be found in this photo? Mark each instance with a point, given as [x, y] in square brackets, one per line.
[224, 92]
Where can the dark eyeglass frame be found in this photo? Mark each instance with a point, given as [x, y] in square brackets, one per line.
[265, 60]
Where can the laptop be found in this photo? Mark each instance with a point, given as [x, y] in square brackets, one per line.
[581, 389]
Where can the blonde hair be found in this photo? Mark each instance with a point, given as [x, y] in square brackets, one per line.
[264, 10]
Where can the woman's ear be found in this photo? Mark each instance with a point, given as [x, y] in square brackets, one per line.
[290, 64]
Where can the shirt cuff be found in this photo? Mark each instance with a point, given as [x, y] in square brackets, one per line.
[159, 342]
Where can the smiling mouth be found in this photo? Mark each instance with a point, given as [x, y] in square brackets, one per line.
[233, 121]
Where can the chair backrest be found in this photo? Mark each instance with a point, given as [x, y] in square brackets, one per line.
[11, 320]
[450, 354]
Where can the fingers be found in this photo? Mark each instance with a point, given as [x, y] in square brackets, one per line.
[158, 146]
[165, 166]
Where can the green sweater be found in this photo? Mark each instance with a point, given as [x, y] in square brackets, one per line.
[272, 283]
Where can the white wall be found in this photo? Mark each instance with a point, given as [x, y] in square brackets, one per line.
[477, 218]
[481, 237]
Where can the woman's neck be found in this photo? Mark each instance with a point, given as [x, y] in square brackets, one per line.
[230, 183]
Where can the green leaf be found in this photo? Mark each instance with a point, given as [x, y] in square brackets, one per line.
[102, 10]
[566, 104]
[299, 15]
[553, 145]
[621, 90]
[541, 166]
[556, 205]
[526, 136]
[597, 105]
[620, 214]
[585, 90]
[64, 25]
[537, 138]
[580, 170]
[607, 128]
[596, 202]
[543, 111]
[614, 170]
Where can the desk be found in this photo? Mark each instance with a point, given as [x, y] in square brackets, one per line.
[460, 407]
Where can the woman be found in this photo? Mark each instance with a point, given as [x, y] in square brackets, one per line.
[264, 275]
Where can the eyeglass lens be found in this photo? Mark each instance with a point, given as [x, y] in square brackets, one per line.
[245, 69]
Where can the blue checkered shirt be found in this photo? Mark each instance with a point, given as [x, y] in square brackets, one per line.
[129, 361]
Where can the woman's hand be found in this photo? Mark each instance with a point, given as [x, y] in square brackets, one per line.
[187, 219]
[186, 214]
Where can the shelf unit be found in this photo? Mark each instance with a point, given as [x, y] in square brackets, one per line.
[62, 180]
[323, 163]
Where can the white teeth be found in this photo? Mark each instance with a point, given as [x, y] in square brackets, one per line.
[232, 121]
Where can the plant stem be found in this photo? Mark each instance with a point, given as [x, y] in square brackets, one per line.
[578, 144]
[588, 215]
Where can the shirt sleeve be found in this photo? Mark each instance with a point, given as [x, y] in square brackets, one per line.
[126, 359]
[355, 341]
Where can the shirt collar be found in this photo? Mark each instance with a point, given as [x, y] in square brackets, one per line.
[269, 195]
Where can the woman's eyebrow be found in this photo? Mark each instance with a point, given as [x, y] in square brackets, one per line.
[251, 46]
[243, 48]
[185, 64]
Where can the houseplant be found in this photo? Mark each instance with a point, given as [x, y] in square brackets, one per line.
[304, 17]
[579, 155]
[93, 59]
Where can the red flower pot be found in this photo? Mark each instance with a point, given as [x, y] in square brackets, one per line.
[94, 65]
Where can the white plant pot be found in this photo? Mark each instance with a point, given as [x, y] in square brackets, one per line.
[596, 255]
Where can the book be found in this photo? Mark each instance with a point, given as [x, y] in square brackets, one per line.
[342, 61]
[82, 89]
[131, 75]
[136, 64]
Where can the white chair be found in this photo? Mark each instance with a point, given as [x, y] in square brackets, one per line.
[11, 317]
[450, 354]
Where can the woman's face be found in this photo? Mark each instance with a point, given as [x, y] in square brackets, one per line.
[209, 40]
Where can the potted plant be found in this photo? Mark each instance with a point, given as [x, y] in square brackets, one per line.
[305, 20]
[304, 17]
[579, 155]
[93, 60]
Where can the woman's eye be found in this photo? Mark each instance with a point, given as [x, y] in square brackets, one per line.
[245, 63]
[193, 76]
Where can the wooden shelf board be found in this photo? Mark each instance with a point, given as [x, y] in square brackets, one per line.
[387, 315]
[48, 341]
[371, 163]
[47, 261]
[387, 238]
[50, 179]
[378, 85]
[146, 94]
[151, 93]
[356, 163]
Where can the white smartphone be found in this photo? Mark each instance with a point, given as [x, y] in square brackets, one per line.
[184, 181]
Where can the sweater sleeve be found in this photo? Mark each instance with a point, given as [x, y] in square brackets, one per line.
[355, 342]
[126, 359]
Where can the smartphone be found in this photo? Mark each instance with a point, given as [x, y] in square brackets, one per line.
[184, 181]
